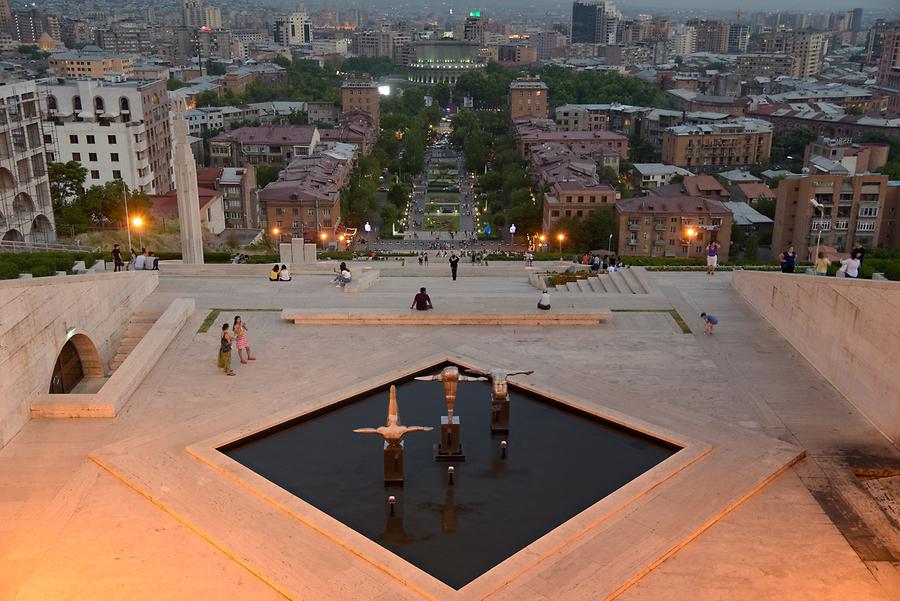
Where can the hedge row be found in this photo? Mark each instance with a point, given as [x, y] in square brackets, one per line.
[39, 264]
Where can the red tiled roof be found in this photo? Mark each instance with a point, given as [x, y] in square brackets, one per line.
[754, 190]
[167, 204]
[672, 205]
[273, 134]
[703, 185]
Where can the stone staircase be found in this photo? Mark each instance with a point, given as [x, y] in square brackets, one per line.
[139, 324]
[620, 282]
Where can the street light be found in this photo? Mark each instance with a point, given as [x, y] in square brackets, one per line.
[821, 208]
[561, 236]
[609, 245]
[323, 237]
[138, 222]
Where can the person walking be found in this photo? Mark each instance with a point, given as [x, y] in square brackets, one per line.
[788, 260]
[709, 322]
[454, 264]
[426, 259]
[822, 264]
[225, 351]
[544, 301]
[712, 257]
[240, 337]
[117, 258]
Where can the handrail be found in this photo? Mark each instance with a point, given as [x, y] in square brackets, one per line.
[17, 246]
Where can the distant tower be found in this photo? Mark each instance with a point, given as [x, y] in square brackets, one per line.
[186, 190]
[360, 95]
[5, 17]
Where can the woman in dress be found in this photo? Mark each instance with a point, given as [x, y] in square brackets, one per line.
[240, 337]
[225, 351]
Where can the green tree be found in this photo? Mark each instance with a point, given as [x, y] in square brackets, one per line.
[66, 183]
[766, 206]
[173, 84]
[388, 216]
[751, 250]
[788, 148]
[641, 151]
[441, 94]
[267, 173]
[397, 195]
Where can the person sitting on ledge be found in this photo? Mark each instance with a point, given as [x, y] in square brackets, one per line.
[343, 278]
[544, 302]
[284, 275]
[273, 275]
[422, 302]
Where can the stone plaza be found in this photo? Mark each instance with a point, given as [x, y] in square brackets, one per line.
[785, 485]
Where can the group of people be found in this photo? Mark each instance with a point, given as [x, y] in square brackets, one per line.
[607, 263]
[237, 337]
[279, 273]
[240, 258]
[850, 267]
[139, 261]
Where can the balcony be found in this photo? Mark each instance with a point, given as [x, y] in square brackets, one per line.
[660, 227]
[633, 227]
[632, 242]
[659, 242]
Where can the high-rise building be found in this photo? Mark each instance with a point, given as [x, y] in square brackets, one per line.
[528, 97]
[292, 29]
[28, 25]
[738, 38]
[685, 41]
[889, 65]
[549, 44]
[856, 17]
[25, 205]
[473, 29]
[712, 36]
[875, 40]
[5, 17]
[192, 13]
[118, 130]
[594, 22]
[212, 17]
[807, 47]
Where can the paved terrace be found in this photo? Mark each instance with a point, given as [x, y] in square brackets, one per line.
[70, 529]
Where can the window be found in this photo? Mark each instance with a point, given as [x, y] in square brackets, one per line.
[326, 212]
[865, 226]
[671, 242]
[310, 212]
[674, 220]
[92, 156]
[111, 139]
[277, 224]
[73, 139]
[95, 174]
[295, 211]
[114, 157]
[48, 139]
[90, 139]
[295, 224]
[868, 212]
[554, 213]
[648, 220]
[117, 174]
[76, 156]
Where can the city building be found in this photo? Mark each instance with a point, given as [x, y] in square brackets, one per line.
[192, 13]
[738, 38]
[117, 129]
[742, 142]
[305, 202]
[853, 158]
[26, 210]
[575, 199]
[712, 36]
[473, 28]
[594, 22]
[825, 119]
[442, 60]
[360, 95]
[212, 208]
[516, 54]
[749, 220]
[672, 226]
[29, 25]
[875, 40]
[684, 42]
[807, 47]
[237, 186]
[764, 65]
[261, 145]
[889, 67]
[212, 17]
[90, 61]
[655, 175]
[292, 29]
[528, 97]
[854, 209]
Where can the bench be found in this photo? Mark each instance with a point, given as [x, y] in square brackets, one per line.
[362, 281]
[444, 318]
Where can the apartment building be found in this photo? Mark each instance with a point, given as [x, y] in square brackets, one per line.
[237, 186]
[119, 130]
[764, 65]
[854, 209]
[26, 211]
[807, 47]
[742, 142]
[261, 145]
[712, 36]
[672, 226]
[655, 175]
[361, 95]
[292, 29]
[852, 158]
[90, 61]
[575, 199]
[530, 132]
[528, 97]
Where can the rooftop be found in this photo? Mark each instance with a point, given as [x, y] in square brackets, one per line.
[301, 135]
[745, 215]
[672, 205]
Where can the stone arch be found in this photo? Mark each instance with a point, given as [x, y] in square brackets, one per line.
[14, 236]
[76, 104]
[99, 104]
[7, 181]
[2, 221]
[23, 206]
[124, 105]
[51, 102]
[41, 229]
[77, 359]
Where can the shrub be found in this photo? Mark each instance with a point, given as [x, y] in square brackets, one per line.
[43, 268]
[8, 271]
[892, 271]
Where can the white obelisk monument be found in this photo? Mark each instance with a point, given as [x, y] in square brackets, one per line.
[186, 190]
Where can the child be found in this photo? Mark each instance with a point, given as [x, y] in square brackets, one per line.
[710, 321]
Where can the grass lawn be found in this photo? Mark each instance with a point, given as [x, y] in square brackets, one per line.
[445, 223]
[440, 198]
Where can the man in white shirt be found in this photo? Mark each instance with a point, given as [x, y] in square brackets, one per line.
[139, 261]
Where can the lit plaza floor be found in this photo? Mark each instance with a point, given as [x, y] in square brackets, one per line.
[69, 529]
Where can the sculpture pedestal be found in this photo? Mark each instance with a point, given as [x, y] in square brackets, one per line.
[393, 463]
[450, 446]
[499, 416]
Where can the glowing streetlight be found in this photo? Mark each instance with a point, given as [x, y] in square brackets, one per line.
[138, 222]
[323, 236]
[560, 236]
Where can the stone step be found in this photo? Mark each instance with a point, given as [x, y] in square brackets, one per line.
[143, 319]
[593, 284]
[622, 281]
[611, 284]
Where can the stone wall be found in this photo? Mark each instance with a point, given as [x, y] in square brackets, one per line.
[847, 329]
[35, 318]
